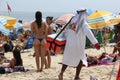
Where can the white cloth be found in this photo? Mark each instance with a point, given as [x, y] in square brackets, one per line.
[82, 34]
[76, 40]
[71, 56]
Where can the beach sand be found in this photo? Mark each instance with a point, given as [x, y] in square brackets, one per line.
[102, 72]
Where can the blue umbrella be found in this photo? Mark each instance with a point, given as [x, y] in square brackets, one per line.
[89, 11]
[4, 31]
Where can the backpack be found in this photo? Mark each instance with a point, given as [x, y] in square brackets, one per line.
[2, 70]
[6, 47]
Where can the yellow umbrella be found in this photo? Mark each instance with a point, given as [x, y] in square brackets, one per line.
[11, 22]
[100, 19]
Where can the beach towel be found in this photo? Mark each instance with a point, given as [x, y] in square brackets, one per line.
[93, 78]
[19, 68]
[94, 61]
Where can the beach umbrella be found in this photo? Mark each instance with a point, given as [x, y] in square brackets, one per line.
[100, 19]
[28, 24]
[11, 22]
[64, 18]
[4, 30]
[7, 21]
[89, 11]
[3, 20]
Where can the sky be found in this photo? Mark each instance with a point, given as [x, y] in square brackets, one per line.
[60, 5]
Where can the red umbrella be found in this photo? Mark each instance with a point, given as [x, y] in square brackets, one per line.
[64, 19]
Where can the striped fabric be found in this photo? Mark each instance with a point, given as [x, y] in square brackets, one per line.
[103, 18]
[3, 20]
[4, 31]
[100, 19]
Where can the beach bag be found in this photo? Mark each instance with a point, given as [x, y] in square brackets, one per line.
[6, 47]
[2, 70]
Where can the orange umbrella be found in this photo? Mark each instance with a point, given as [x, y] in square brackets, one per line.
[64, 19]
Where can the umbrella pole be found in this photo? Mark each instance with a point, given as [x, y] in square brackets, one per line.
[112, 70]
[62, 29]
[103, 42]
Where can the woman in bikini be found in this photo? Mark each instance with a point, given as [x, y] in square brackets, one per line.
[38, 30]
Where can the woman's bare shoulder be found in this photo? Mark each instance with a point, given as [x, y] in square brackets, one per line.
[33, 23]
[43, 24]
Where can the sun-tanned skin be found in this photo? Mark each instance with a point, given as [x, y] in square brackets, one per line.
[39, 46]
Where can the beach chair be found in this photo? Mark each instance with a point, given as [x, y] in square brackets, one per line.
[29, 43]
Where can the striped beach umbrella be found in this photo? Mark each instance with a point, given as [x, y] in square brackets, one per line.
[4, 30]
[11, 23]
[100, 19]
[3, 20]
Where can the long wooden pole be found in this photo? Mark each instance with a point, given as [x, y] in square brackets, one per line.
[59, 33]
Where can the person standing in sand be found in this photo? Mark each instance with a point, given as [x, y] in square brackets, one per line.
[75, 43]
[38, 30]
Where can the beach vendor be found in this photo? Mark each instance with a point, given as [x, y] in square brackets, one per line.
[38, 30]
[75, 37]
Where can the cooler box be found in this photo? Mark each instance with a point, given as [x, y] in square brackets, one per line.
[55, 45]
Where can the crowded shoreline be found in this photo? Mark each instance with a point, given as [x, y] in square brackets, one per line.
[102, 72]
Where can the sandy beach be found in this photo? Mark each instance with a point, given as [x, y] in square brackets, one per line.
[102, 72]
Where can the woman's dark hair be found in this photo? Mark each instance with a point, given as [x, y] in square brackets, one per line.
[49, 17]
[17, 56]
[38, 17]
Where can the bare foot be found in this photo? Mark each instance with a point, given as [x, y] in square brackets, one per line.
[46, 67]
[37, 70]
[60, 76]
[41, 70]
